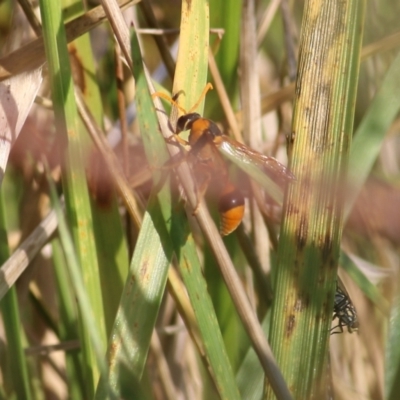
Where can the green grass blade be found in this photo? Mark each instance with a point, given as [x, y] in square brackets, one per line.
[156, 153]
[368, 288]
[190, 269]
[371, 132]
[12, 325]
[225, 15]
[367, 143]
[191, 78]
[75, 272]
[308, 253]
[250, 376]
[74, 180]
[69, 323]
[147, 278]
[152, 244]
[191, 66]
[140, 303]
[111, 248]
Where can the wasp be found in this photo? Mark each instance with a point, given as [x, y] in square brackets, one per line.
[210, 168]
[344, 311]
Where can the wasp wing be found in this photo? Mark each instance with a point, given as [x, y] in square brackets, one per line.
[263, 169]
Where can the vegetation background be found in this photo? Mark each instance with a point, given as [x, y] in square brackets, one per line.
[127, 269]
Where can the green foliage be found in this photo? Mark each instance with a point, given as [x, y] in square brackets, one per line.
[134, 287]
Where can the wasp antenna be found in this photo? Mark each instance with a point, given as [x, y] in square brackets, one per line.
[208, 87]
[177, 94]
[169, 99]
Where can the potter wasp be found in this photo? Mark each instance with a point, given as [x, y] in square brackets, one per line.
[205, 142]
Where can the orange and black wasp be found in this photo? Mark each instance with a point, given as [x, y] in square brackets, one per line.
[210, 168]
[344, 311]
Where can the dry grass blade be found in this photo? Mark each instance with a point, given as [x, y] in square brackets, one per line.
[31, 16]
[179, 293]
[387, 43]
[32, 55]
[110, 159]
[249, 84]
[121, 31]
[17, 95]
[164, 371]
[266, 20]
[159, 39]
[224, 99]
[45, 350]
[12, 269]
[251, 109]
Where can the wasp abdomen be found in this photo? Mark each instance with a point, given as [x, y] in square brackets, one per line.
[231, 209]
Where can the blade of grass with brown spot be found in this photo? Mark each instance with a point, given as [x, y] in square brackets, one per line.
[308, 253]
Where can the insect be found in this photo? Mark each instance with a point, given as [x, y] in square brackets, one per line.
[344, 311]
[205, 142]
[210, 168]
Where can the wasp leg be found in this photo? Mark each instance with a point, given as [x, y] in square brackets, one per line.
[176, 140]
[203, 94]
